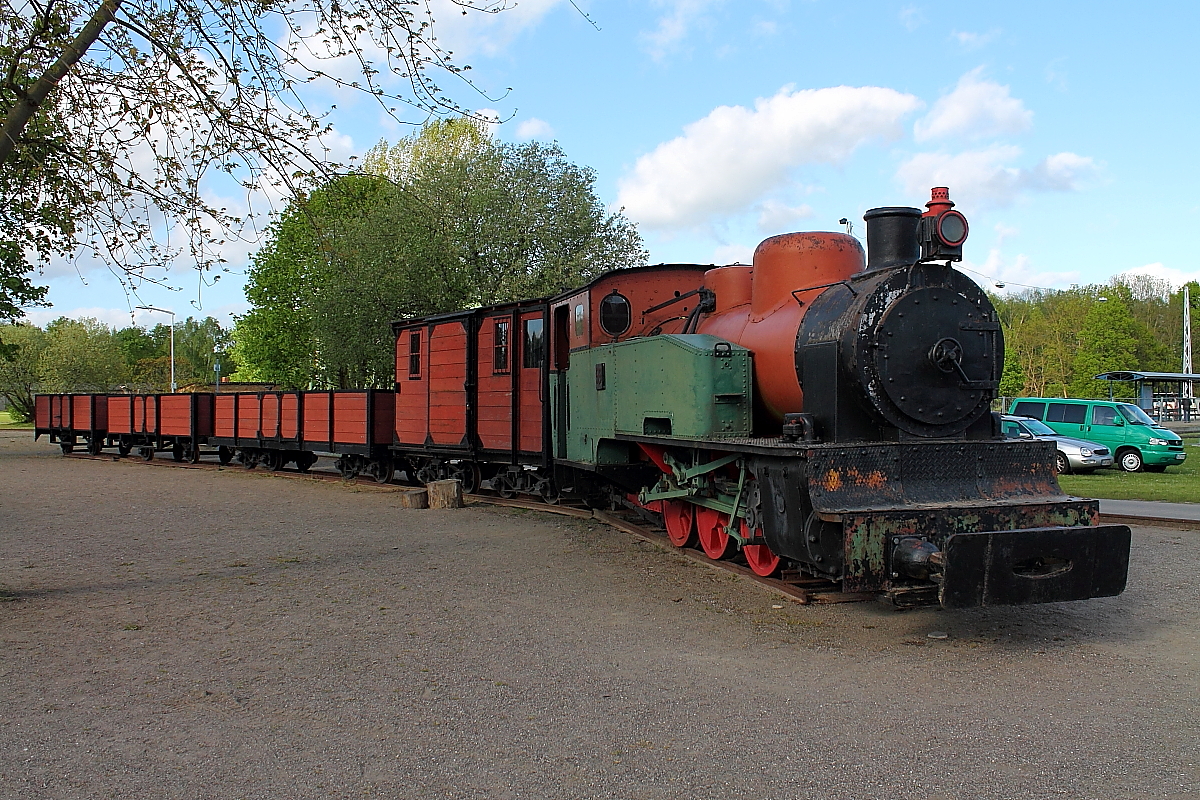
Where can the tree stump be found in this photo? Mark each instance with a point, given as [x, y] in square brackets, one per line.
[445, 494]
[414, 498]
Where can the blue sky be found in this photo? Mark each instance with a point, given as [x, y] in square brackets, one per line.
[1066, 131]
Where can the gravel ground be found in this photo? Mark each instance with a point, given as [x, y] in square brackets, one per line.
[219, 634]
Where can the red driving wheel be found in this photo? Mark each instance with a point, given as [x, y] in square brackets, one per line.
[680, 519]
[759, 557]
[710, 527]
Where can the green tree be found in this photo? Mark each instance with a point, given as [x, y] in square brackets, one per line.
[1108, 341]
[21, 373]
[81, 356]
[444, 220]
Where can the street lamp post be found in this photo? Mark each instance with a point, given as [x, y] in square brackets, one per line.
[172, 313]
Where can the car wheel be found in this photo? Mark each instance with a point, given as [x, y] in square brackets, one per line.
[1130, 461]
[1061, 465]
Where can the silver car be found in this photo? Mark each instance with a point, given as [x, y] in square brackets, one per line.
[1074, 455]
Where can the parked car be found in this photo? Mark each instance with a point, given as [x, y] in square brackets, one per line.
[1136, 440]
[1074, 455]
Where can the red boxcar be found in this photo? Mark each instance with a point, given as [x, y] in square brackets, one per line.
[70, 418]
[470, 391]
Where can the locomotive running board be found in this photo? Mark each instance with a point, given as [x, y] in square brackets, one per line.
[1035, 565]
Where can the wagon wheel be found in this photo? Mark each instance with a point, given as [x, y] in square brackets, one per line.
[124, 447]
[347, 468]
[710, 527]
[224, 455]
[66, 447]
[504, 486]
[549, 492]
[759, 557]
[382, 470]
[249, 459]
[275, 460]
[191, 453]
[177, 451]
[468, 472]
[147, 452]
[305, 461]
[680, 519]
[95, 446]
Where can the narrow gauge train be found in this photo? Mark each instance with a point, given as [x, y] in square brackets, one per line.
[816, 410]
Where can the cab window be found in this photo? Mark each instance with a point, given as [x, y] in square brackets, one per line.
[1104, 415]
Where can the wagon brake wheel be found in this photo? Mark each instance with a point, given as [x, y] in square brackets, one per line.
[679, 517]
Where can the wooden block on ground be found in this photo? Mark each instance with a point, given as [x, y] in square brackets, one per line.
[445, 494]
[414, 498]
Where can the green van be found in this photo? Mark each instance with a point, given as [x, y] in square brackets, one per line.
[1137, 441]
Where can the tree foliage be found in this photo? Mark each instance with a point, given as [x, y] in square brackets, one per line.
[113, 113]
[444, 220]
[1056, 342]
[85, 355]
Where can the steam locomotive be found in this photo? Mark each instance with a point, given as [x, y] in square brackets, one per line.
[817, 410]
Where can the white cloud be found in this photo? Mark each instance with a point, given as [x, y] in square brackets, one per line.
[1005, 232]
[973, 41]
[1175, 277]
[733, 254]
[1016, 274]
[912, 17]
[674, 26]
[987, 177]
[468, 35]
[729, 159]
[534, 128]
[976, 109]
[775, 217]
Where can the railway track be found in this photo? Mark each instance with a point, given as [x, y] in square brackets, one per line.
[793, 586]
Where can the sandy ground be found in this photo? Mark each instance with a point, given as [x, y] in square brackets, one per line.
[173, 633]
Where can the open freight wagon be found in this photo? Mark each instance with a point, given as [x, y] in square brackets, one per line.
[69, 419]
[279, 428]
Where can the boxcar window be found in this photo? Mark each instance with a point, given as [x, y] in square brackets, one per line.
[1035, 410]
[414, 355]
[1070, 413]
[534, 345]
[579, 320]
[1104, 415]
[500, 347]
